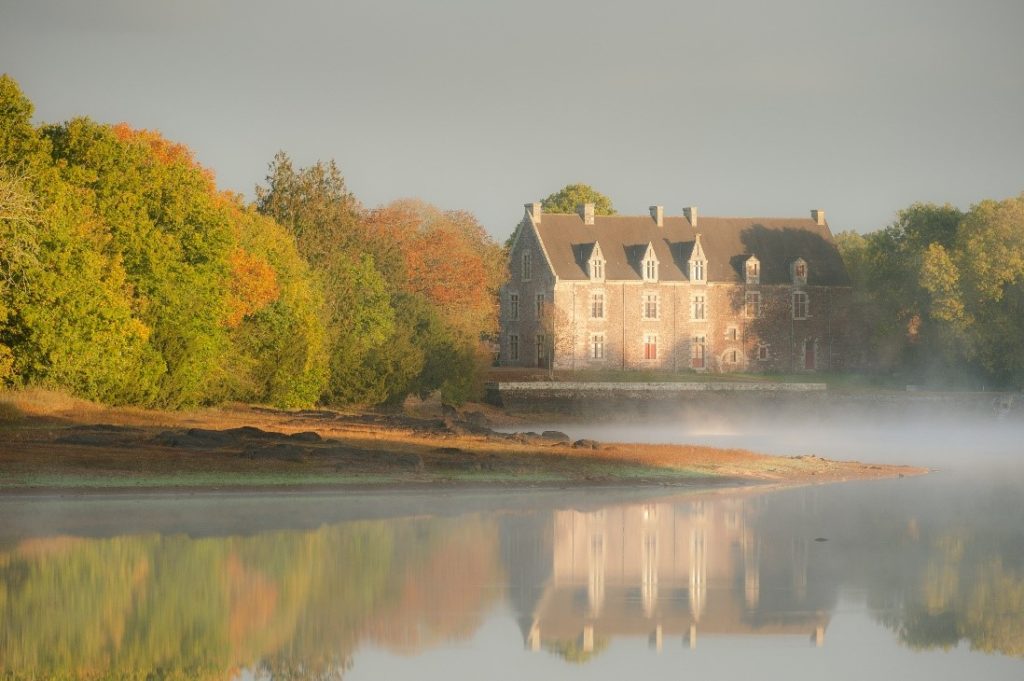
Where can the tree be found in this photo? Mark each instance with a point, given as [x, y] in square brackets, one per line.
[570, 196]
[325, 219]
[447, 262]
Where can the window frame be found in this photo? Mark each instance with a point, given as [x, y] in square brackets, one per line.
[513, 306]
[650, 347]
[526, 266]
[597, 300]
[539, 302]
[752, 297]
[752, 271]
[699, 352]
[650, 298]
[698, 307]
[513, 347]
[804, 303]
[597, 346]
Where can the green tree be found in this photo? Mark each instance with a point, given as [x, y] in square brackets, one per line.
[989, 297]
[170, 229]
[316, 207]
[566, 199]
[281, 348]
[66, 317]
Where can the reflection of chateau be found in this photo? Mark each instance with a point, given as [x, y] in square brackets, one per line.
[664, 570]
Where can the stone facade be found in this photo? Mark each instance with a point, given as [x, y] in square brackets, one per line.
[614, 316]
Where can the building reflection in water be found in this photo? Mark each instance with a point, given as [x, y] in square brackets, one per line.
[671, 571]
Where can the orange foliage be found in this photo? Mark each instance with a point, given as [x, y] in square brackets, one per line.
[253, 602]
[447, 257]
[165, 151]
[253, 286]
[444, 596]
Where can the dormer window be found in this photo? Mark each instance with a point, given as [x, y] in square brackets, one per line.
[650, 264]
[698, 263]
[597, 262]
[753, 270]
[799, 271]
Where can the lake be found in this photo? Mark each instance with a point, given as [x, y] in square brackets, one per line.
[906, 578]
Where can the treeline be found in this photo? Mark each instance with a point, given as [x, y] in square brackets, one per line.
[940, 293]
[127, 276]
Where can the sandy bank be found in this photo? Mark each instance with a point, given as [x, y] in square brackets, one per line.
[69, 446]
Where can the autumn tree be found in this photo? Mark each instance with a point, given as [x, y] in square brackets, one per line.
[127, 277]
[448, 269]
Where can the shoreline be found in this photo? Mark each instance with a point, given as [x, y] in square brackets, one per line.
[76, 448]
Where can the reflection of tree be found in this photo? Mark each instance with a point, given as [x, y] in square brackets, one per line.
[938, 569]
[984, 607]
[575, 651]
[285, 605]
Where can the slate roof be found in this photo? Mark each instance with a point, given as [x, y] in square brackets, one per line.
[727, 243]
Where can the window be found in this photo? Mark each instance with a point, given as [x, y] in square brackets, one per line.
[541, 349]
[539, 310]
[800, 305]
[697, 270]
[597, 346]
[651, 270]
[596, 263]
[698, 348]
[513, 306]
[513, 347]
[597, 305]
[698, 311]
[527, 265]
[762, 353]
[732, 333]
[650, 306]
[752, 307]
[732, 356]
[753, 270]
[799, 271]
[650, 346]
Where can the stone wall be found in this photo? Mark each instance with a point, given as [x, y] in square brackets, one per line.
[526, 325]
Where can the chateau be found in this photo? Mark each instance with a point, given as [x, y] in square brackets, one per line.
[674, 293]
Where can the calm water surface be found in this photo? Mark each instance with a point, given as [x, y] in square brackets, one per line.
[909, 578]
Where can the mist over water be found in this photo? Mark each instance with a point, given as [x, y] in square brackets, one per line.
[937, 437]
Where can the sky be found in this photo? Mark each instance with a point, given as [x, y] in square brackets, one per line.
[739, 107]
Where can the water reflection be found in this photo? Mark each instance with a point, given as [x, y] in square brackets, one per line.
[935, 564]
[671, 570]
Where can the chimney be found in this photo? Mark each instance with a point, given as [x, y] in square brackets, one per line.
[533, 211]
[586, 211]
[818, 216]
[658, 213]
[691, 214]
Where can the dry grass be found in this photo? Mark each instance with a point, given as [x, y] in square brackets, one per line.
[39, 402]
